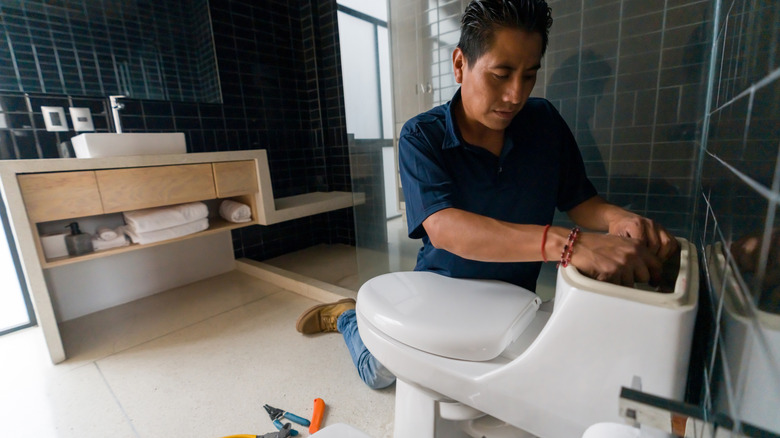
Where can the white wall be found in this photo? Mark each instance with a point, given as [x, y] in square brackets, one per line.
[86, 287]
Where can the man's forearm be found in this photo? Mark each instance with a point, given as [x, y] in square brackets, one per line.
[481, 238]
[596, 214]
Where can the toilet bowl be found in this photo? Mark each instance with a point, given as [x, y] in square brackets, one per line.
[491, 357]
[611, 430]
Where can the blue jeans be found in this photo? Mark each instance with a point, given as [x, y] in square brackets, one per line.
[373, 373]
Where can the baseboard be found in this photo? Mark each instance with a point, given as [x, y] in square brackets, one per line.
[300, 284]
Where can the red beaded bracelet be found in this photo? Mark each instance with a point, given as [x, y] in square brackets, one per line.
[568, 249]
[544, 240]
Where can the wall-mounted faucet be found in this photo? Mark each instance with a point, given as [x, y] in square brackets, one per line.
[115, 108]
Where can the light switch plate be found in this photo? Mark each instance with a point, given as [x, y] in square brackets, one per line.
[54, 118]
[82, 119]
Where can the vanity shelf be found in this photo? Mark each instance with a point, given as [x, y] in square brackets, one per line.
[215, 226]
[38, 192]
[56, 196]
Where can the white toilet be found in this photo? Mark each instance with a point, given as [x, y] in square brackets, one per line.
[493, 360]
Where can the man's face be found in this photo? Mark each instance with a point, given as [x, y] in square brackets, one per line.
[497, 85]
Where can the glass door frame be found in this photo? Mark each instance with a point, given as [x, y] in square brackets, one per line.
[32, 321]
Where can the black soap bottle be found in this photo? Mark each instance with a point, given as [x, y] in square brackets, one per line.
[78, 243]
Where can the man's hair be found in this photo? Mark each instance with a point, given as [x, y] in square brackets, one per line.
[483, 17]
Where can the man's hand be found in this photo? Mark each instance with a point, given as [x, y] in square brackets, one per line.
[650, 233]
[633, 251]
[615, 259]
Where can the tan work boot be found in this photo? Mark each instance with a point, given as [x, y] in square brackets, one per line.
[323, 317]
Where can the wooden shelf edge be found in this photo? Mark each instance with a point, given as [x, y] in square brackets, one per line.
[308, 204]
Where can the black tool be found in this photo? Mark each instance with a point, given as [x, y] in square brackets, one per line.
[284, 432]
[277, 414]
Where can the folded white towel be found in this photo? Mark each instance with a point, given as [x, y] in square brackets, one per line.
[160, 218]
[167, 233]
[106, 233]
[233, 211]
[120, 240]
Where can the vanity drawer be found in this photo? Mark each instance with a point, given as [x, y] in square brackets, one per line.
[235, 178]
[60, 195]
[145, 187]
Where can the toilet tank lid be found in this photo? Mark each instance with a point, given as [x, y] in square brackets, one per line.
[458, 318]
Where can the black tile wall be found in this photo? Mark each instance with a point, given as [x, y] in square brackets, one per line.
[694, 145]
[144, 49]
[627, 77]
[280, 80]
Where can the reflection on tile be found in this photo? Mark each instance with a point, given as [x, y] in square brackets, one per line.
[12, 104]
[740, 215]
[6, 144]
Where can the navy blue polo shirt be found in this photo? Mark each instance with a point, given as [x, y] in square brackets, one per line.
[540, 169]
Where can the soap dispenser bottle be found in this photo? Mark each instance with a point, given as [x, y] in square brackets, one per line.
[78, 243]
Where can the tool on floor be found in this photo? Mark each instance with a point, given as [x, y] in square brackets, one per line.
[316, 417]
[277, 414]
[285, 432]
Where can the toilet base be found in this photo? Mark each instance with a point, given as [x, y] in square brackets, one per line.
[418, 414]
[491, 427]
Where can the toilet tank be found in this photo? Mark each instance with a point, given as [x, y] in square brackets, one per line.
[605, 337]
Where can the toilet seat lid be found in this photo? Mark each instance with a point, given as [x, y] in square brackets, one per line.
[452, 317]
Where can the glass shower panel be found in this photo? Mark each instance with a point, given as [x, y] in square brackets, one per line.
[13, 303]
[374, 8]
[380, 231]
[383, 44]
[359, 71]
[741, 181]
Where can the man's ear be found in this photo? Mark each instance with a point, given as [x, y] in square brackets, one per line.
[458, 64]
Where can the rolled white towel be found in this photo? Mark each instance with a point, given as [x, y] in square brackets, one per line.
[160, 218]
[233, 211]
[120, 240]
[106, 233]
[167, 233]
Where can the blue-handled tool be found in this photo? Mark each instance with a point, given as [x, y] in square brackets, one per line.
[277, 414]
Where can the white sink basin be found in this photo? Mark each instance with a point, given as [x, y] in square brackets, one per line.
[94, 145]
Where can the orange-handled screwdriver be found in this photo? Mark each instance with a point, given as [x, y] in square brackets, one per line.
[316, 417]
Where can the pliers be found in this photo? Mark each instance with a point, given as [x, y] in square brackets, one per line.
[277, 414]
[284, 432]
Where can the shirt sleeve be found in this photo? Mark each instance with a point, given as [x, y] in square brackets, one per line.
[575, 187]
[426, 184]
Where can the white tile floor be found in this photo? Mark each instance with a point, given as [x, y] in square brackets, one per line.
[191, 362]
[201, 360]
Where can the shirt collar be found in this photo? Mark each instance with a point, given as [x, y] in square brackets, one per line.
[453, 138]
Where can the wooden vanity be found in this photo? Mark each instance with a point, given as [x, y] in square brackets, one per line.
[53, 196]
[38, 193]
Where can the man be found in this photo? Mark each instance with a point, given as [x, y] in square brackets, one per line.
[484, 173]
